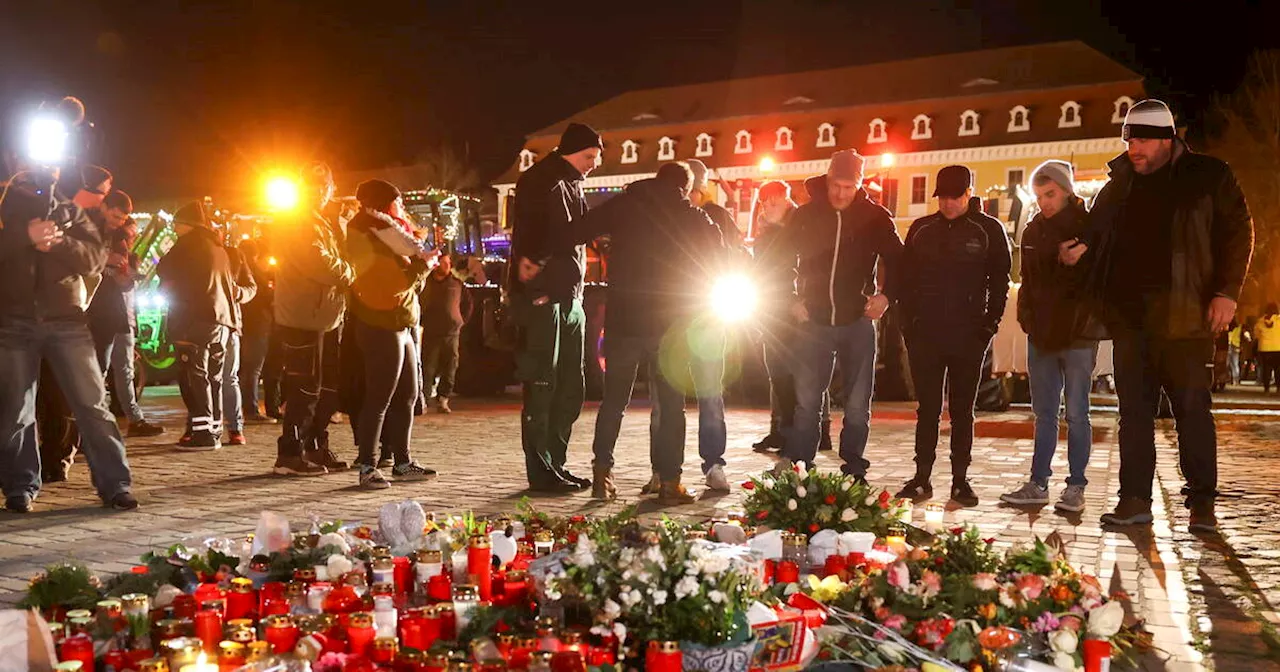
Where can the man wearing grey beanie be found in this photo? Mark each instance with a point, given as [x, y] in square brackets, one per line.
[1168, 248]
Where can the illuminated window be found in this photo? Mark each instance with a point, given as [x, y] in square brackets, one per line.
[704, 147]
[1070, 115]
[666, 149]
[1123, 103]
[921, 127]
[527, 157]
[783, 141]
[969, 124]
[877, 133]
[1019, 119]
[629, 153]
[743, 144]
[826, 135]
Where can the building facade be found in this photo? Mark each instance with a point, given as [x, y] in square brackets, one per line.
[1000, 111]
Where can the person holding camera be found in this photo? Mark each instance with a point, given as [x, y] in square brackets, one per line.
[48, 247]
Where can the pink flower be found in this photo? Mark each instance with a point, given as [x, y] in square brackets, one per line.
[895, 622]
[1031, 585]
[899, 576]
[984, 581]
[932, 583]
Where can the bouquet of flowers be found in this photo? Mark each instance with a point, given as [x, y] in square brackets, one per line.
[810, 501]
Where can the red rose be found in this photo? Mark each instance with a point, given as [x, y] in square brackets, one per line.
[939, 561]
[578, 519]
[749, 485]
[830, 499]
[762, 515]
[814, 527]
[884, 496]
[957, 531]
[990, 540]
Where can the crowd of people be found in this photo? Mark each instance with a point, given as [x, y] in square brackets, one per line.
[361, 318]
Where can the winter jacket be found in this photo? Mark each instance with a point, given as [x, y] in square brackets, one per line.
[837, 254]
[775, 269]
[46, 285]
[664, 253]
[446, 305]
[388, 272]
[953, 281]
[548, 201]
[245, 281]
[312, 276]
[1267, 332]
[259, 315]
[1053, 306]
[200, 282]
[1210, 245]
[112, 310]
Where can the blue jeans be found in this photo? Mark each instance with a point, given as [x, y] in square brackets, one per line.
[624, 355]
[708, 385]
[1051, 373]
[816, 352]
[253, 357]
[232, 407]
[68, 347]
[1233, 363]
[116, 353]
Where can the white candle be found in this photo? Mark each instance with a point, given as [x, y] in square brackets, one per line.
[202, 664]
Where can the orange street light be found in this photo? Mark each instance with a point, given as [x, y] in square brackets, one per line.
[767, 165]
[282, 193]
[886, 160]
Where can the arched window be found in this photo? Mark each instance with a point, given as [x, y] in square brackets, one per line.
[743, 144]
[1123, 103]
[969, 123]
[1019, 119]
[921, 127]
[1070, 115]
[527, 157]
[826, 135]
[704, 147]
[783, 141]
[877, 133]
[629, 151]
[666, 149]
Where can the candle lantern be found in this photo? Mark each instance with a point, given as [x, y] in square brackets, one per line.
[540, 661]
[305, 574]
[244, 636]
[548, 640]
[384, 650]
[360, 634]
[69, 666]
[209, 629]
[466, 598]
[480, 564]
[786, 572]
[281, 632]
[240, 601]
[181, 651]
[409, 661]
[436, 663]
[383, 570]
[316, 593]
[185, 606]
[934, 516]
[448, 621]
[663, 657]
[231, 655]
[156, 664]
[81, 625]
[258, 651]
[896, 539]
[111, 615]
[795, 548]
[440, 588]
[78, 648]
[516, 587]
[427, 563]
[543, 543]
[380, 551]
[136, 605]
[904, 514]
[384, 615]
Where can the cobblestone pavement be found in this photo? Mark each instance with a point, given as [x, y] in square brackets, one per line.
[1200, 595]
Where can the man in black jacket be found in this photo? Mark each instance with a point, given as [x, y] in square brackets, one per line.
[839, 240]
[47, 247]
[952, 285]
[545, 290]
[197, 277]
[663, 254]
[1169, 247]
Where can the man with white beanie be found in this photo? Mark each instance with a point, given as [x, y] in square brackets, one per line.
[1167, 251]
[1062, 337]
[839, 239]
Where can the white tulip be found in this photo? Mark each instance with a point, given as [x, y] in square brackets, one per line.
[848, 515]
[791, 505]
[1105, 621]
[801, 492]
[1064, 641]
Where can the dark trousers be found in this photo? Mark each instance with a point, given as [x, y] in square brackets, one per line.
[56, 427]
[253, 356]
[273, 375]
[549, 363]
[940, 360]
[1184, 369]
[439, 358]
[624, 356]
[782, 390]
[390, 361]
[310, 386]
[201, 349]
[818, 349]
[1269, 370]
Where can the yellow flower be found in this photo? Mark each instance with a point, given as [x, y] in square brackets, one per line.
[827, 589]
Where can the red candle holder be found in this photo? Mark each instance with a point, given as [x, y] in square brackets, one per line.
[480, 564]
[515, 588]
[440, 588]
[360, 634]
[835, 565]
[402, 573]
[115, 661]
[448, 621]
[78, 647]
[787, 572]
[209, 629]
[241, 600]
[663, 657]
[185, 606]
[281, 633]
[1097, 655]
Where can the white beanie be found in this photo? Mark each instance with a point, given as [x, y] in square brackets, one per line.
[1058, 171]
[699, 170]
[1149, 119]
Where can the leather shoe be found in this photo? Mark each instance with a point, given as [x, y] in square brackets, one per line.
[577, 481]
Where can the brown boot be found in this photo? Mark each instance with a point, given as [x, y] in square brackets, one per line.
[602, 486]
[673, 494]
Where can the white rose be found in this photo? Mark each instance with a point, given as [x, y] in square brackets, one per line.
[1064, 661]
[1105, 621]
[338, 566]
[612, 610]
[871, 499]
[659, 598]
[1064, 641]
[334, 539]
[791, 505]
[848, 515]
[716, 596]
[801, 492]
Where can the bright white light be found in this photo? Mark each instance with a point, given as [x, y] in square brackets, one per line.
[282, 193]
[159, 301]
[886, 160]
[734, 297]
[47, 140]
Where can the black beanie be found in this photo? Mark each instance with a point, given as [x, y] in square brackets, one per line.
[578, 137]
[377, 194]
[192, 214]
[92, 176]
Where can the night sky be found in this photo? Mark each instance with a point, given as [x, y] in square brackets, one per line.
[198, 97]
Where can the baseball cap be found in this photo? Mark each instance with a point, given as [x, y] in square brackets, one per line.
[953, 181]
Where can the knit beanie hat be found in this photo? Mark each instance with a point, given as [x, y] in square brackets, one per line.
[192, 214]
[846, 164]
[1058, 171]
[699, 170]
[92, 177]
[377, 194]
[1149, 119]
[578, 137]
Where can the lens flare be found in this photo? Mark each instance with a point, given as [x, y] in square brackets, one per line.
[734, 298]
[282, 193]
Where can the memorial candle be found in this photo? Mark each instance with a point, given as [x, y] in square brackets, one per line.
[281, 633]
[209, 629]
[663, 657]
[241, 600]
[360, 634]
[480, 565]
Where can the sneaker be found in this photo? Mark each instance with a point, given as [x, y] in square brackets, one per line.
[442, 405]
[296, 465]
[916, 490]
[1072, 499]
[671, 493]
[1130, 511]
[575, 480]
[235, 438]
[1203, 517]
[386, 463]
[1030, 493]
[768, 443]
[372, 479]
[653, 486]
[18, 503]
[201, 442]
[716, 479]
[144, 429]
[412, 471]
[123, 502]
[602, 485]
[325, 458]
[962, 494]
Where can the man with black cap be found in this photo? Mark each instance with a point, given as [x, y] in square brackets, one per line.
[312, 280]
[1168, 249]
[952, 285]
[197, 276]
[839, 238]
[47, 248]
[545, 290]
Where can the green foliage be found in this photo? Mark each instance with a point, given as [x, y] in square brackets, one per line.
[69, 585]
[331, 527]
[832, 501]
[1033, 560]
[965, 553]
